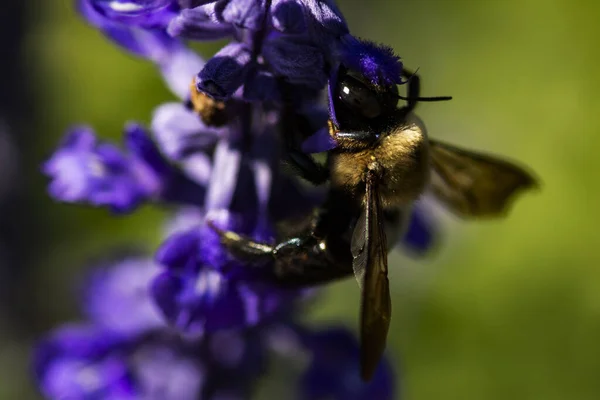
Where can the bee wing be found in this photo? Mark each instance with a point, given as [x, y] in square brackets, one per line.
[369, 252]
[473, 184]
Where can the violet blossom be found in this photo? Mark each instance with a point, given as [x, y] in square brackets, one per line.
[152, 325]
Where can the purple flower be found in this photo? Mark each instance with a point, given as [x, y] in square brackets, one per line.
[146, 13]
[422, 231]
[117, 296]
[225, 72]
[81, 362]
[180, 133]
[83, 170]
[242, 14]
[197, 24]
[194, 322]
[110, 358]
[209, 301]
[135, 26]
[126, 28]
[155, 365]
[296, 58]
[288, 16]
[333, 371]
[295, 41]
[203, 289]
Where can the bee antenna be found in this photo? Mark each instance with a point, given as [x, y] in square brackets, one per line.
[410, 77]
[438, 98]
[431, 99]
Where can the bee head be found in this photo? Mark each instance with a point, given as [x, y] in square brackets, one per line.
[356, 104]
[363, 91]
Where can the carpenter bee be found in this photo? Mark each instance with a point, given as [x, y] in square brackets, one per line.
[383, 162]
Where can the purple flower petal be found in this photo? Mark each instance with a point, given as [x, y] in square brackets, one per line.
[164, 370]
[158, 366]
[72, 363]
[243, 14]
[324, 15]
[68, 166]
[146, 13]
[261, 86]
[118, 298]
[165, 288]
[422, 231]
[102, 175]
[264, 161]
[180, 250]
[186, 252]
[288, 16]
[69, 378]
[319, 142]
[180, 131]
[144, 149]
[198, 167]
[151, 44]
[225, 72]
[334, 371]
[298, 60]
[184, 219]
[177, 63]
[81, 340]
[210, 301]
[197, 24]
[179, 70]
[247, 14]
[193, 3]
[224, 177]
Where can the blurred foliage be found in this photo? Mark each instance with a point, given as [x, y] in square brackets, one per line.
[504, 309]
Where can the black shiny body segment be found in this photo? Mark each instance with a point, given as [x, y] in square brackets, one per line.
[321, 253]
[313, 251]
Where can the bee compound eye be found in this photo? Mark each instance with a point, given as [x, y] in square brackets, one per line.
[358, 97]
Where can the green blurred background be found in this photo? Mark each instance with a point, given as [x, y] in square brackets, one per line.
[503, 309]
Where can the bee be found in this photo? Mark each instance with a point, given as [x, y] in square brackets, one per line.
[383, 162]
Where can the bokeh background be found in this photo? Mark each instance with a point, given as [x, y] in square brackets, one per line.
[503, 309]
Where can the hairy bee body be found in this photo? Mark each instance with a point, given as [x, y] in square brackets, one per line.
[401, 158]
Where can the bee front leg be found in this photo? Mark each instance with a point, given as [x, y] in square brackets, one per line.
[242, 247]
[307, 167]
[354, 140]
[413, 91]
[359, 136]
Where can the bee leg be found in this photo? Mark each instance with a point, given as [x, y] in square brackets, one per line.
[304, 261]
[293, 133]
[413, 91]
[242, 247]
[356, 140]
[296, 262]
[359, 136]
[307, 167]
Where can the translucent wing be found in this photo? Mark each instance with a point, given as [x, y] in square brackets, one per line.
[475, 185]
[369, 252]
